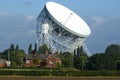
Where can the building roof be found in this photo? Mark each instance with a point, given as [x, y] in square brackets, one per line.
[37, 56]
[2, 61]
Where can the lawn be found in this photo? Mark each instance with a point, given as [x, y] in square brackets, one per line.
[56, 78]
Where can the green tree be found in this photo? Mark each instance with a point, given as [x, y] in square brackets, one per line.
[83, 60]
[4, 54]
[30, 48]
[78, 51]
[77, 63]
[101, 61]
[67, 59]
[112, 49]
[35, 48]
[15, 56]
[12, 47]
[17, 47]
[43, 49]
[58, 65]
[19, 57]
[80, 61]
[118, 65]
[13, 64]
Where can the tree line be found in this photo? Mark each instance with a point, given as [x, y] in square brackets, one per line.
[14, 54]
[109, 60]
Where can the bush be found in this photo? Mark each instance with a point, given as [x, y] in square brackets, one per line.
[37, 72]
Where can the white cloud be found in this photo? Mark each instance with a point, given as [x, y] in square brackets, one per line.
[30, 17]
[97, 22]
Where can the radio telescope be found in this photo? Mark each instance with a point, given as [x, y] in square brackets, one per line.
[60, 28]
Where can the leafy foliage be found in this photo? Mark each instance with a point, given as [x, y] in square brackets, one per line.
[109, 60]
[106, 61]
[35, 48]
[17, 47]
[101, 62]
[12, 47]
[14, 55]
[66, 59]
[43, 49]
[30, 49]
[68, 73]
[118, 65]
[113, 49]
[80, 59]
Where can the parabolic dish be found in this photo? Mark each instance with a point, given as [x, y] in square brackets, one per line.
[67, 19]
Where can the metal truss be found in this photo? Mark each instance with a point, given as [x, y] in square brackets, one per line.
[54, 36]
[86, 49]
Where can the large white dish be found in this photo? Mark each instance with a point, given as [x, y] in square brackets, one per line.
[67, 19]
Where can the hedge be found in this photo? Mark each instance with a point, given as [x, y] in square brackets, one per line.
[22, 72]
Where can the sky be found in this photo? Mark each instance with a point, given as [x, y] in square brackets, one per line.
[18, 21]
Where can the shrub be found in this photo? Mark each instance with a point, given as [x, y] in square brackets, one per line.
[37, 72]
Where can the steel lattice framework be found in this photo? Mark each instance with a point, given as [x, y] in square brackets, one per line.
[54, 36]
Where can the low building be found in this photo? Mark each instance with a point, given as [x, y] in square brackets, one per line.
[3, 63]
[42, 60]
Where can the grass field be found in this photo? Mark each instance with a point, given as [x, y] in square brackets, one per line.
[56, 78]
